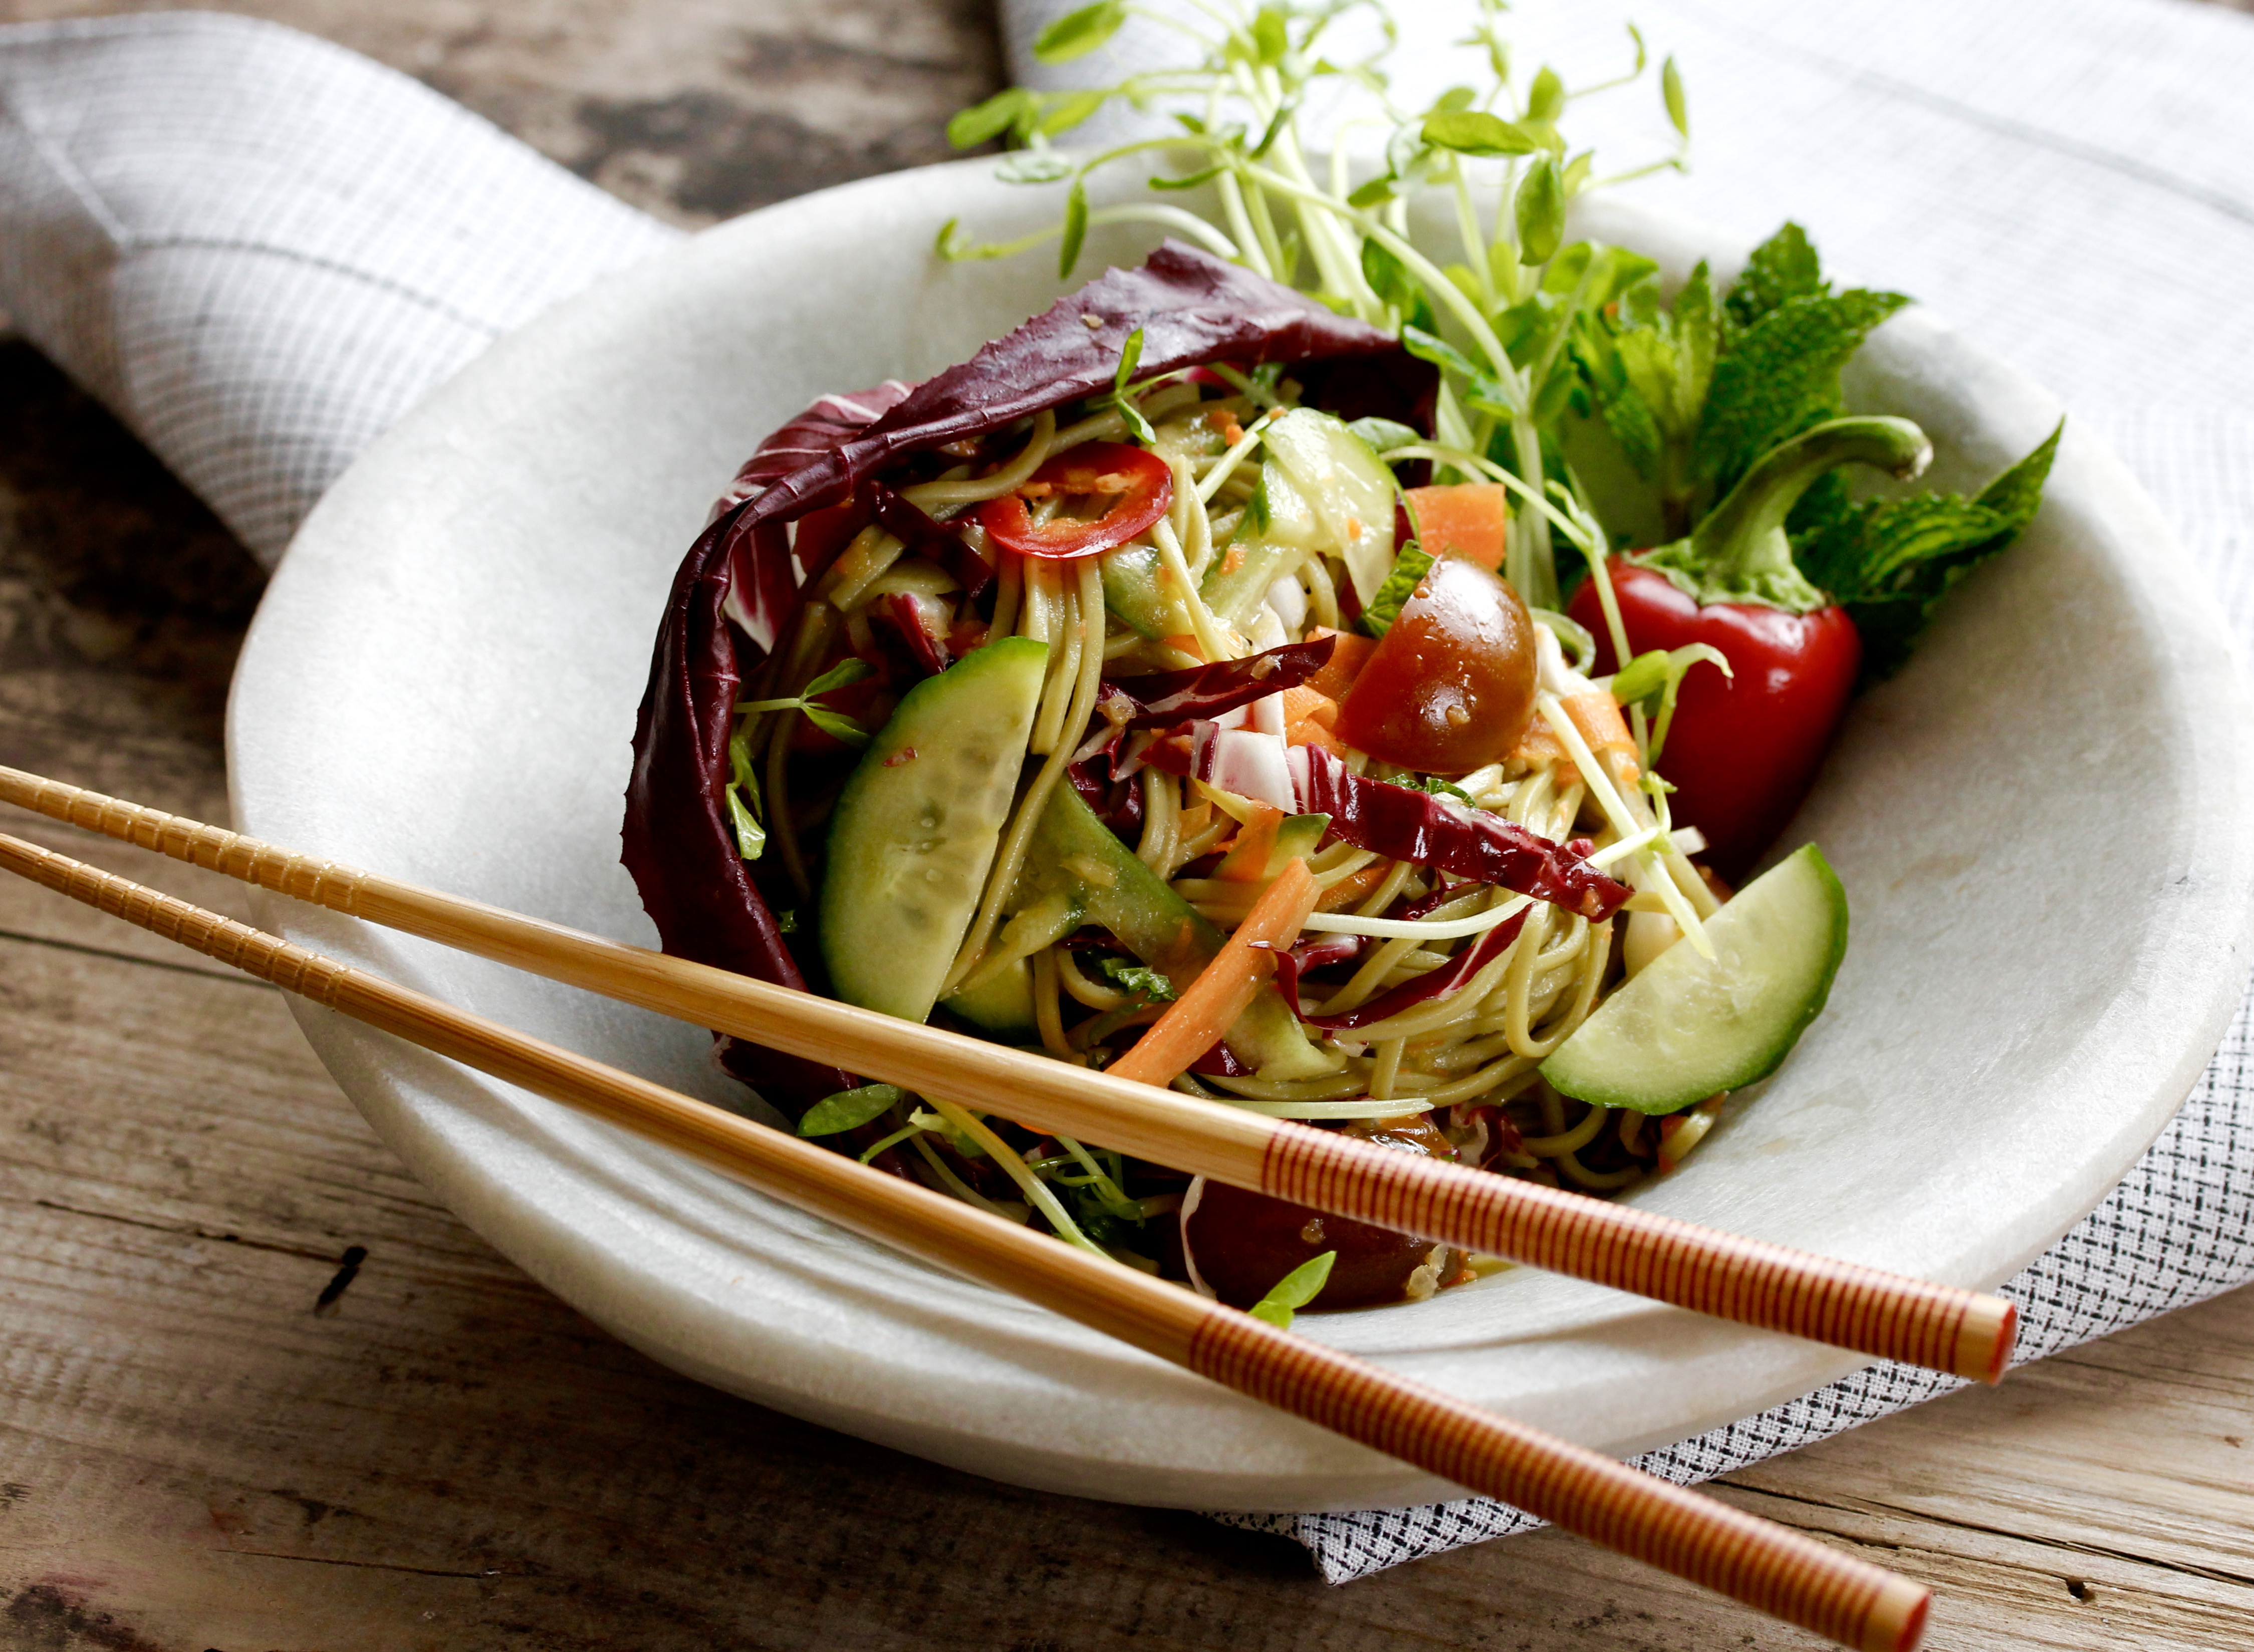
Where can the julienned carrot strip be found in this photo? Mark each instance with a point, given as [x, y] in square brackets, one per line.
[1349, 654]
[1247, 859]
[1225, 988]
[1595, 714]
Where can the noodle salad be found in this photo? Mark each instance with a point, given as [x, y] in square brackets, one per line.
[1231, 677]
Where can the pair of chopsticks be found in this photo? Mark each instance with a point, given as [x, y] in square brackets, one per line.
[1771, 1568]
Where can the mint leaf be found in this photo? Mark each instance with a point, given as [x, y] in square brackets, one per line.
[1295, 1290]
[1782, 267]
[1891, 562]
[849, 1109]
[1384, 607]
[1780, 375]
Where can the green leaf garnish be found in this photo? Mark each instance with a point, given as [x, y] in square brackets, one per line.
[1077, 33]
[743, 797]
[1384, 606]
[1545, 99]
[1433, 785]
[1033, 166]
[1129, 354]
[849, 1109]
[984, 123]
[1654, 679]
[1890, 562]
[1670, 92]
[1075, 227]
[1140, 980]
[836, 724]
[1294, 1291]
[1383, 436]
[1540, 208]
[1477, 132]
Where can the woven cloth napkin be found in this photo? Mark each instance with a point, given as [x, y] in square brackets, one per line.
[259, 250]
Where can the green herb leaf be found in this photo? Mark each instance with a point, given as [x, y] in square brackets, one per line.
[1545, 99]
[849, 1109]
[1781, 268]
[1383, 436]
[743, 798]
[1891, 562]
[852, 669]
[1384, 607]
[1477, 132]
[837, 725]
[1375, 192]
[1137, 979]
[1067, 110]
[1480, 390]
[1271, 39]
[1077, 33]
[984, 123]
[1670, 92]
[1130, 354]
[1540, 208]
[1033, 166]
[1075, 227]
[1294, 1291]
[1191, 181]
[1436, 787]
[1390, 279]
[1780, 375]
[1657, 678]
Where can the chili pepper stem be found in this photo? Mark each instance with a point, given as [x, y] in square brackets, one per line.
[1740, 553]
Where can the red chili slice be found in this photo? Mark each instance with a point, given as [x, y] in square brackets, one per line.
[1127, 489]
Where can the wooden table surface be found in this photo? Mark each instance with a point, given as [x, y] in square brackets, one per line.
[259, 1391]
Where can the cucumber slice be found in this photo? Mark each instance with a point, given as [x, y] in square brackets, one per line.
[1348, 485]
[1279, 528]
[916, 826]
[1687, 1026]
[1002, 1004]
[1139, 595]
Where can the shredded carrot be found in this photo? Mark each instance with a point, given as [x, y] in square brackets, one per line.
[1183, 642]
[1303, 704]
[1225, 988]
[1247, 859]
[1349, 655]
[1307, 732]
[1596, 715]
[1472, 519]
[1352, 887]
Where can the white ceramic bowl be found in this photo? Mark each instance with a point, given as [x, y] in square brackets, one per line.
[2040, 824]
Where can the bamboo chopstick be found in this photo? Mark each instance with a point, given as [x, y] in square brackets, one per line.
[1769, 1567]
[1748, 1281]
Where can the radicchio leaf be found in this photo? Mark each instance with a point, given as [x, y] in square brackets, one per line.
[1203, 692]
[1405, 824]
[740, 582]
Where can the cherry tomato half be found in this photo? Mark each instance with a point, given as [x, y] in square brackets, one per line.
[1107, 492]
[1449, 686]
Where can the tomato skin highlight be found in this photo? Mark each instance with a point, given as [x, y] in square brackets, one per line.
[1135, 483]
[1450, 687]
[1742, 751]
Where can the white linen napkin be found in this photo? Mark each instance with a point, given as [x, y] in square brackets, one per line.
[259, 250]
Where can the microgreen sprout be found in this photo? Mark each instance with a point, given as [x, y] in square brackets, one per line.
[1498, 320]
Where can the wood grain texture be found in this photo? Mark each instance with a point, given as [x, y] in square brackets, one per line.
[195, 1452]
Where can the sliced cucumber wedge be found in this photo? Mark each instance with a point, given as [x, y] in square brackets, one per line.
[1348, 485]
[1687, 1026]
[915, 828]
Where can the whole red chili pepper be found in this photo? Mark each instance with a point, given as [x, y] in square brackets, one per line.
[1743, 750]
